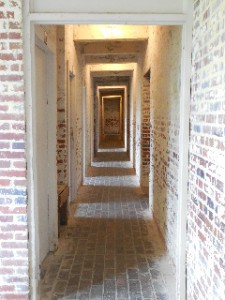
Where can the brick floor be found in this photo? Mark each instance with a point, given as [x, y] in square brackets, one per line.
[111, 248]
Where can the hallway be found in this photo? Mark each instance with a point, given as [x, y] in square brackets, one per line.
[111, 248]
[60, 60]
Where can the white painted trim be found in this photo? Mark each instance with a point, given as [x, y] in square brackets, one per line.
[131, 118]
[89, 102]
[32, 224]
[124, 89]
[98, 125]
[110, 18]
[125, 133]
[84, 126]
[77, 18]
[138, 117]
[183, 157]
[68, 111]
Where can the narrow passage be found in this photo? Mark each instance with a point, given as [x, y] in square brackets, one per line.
[111, 248]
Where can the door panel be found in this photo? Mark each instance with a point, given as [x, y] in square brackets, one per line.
[42, 153]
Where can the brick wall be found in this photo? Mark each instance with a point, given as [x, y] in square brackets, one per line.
[62, 121]
[14, 281]
[145, 133]
[165, 58]
[206, 209]
[112, 116]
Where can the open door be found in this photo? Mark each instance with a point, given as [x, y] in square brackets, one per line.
[44, 118]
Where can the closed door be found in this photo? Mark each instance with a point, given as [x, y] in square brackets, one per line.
[42, 153]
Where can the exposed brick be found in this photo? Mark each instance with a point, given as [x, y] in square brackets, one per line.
[11, 136]
[13, 227]
[18, 145]
[19, 164]
[22, 183]
[4, 182]
[2, 15]
[164, 131]
[21, 236]
[9, 154]
[15, 296]
[4, 145]
[15, 35]
[4, 108]
[7, 288]
[4, 126]
[14, 97]
[15, 67]
[206, 237]
[12, 173]
[15, 210]
[14, 245]
[10, 78]
[4, 164]
[6, 236]
[14, 117]
[6, 271]
[14, 25]
[145, 133]
[3, 35]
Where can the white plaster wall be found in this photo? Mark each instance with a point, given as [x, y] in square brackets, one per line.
[93, 6]
[110, 33]
[88, 115]
[51, 35]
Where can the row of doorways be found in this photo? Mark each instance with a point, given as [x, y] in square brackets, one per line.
[46, 215]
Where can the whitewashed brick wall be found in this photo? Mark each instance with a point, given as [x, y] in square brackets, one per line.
[206, 210]
[62, 120]
[145, 133]
[165, 60]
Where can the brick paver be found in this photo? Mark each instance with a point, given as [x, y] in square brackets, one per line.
[111, 248]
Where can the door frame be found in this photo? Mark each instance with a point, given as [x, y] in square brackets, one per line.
[111, 97]
[184, 20]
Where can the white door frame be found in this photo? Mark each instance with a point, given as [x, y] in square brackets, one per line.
[87, 18]
[123, 88]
